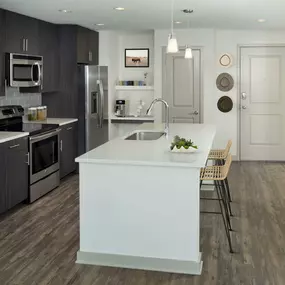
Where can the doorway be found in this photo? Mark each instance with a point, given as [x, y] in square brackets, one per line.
[182, 86]
[262, 101]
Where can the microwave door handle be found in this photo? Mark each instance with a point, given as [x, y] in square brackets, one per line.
[32, 74]
[39, 73]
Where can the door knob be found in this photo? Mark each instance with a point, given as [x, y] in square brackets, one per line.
[243, 95]
[244, 107]
[196, 113]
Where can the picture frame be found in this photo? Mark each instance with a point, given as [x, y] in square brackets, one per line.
[137, 58]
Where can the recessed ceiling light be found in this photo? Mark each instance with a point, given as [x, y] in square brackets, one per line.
[187, 11]
[119, 8]
[261, 20]
[64, 11]
[178, 22]
[99, 24]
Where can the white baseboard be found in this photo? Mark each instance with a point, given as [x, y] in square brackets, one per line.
[144, 263]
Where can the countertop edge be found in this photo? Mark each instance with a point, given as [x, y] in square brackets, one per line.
[68, 122]
[10, 138]
[137, 163]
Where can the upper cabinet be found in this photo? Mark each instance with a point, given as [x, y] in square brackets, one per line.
[49, 49]
[87, 46]
[21, 34]
[2, 58]
[94, 47]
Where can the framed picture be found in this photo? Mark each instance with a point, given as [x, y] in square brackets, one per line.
[137, 57]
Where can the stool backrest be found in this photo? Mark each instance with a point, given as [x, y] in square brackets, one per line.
[228, 148]
[226, 167]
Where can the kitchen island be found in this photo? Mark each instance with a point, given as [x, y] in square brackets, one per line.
[140, 203]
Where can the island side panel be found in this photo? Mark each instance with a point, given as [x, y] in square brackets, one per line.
[142, 211]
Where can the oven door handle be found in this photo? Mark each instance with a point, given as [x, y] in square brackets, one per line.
[45, 136]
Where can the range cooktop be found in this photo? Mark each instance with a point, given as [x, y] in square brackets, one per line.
[11, 120]
[31, 128]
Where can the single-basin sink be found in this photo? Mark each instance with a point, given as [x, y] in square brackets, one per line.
[145, 136]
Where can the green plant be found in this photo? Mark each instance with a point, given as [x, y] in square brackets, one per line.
[179, 142]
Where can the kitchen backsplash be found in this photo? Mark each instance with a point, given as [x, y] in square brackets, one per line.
[14, 97]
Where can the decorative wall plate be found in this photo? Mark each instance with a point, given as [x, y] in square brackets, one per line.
[225, 104]
[225, 82]
[226, 60]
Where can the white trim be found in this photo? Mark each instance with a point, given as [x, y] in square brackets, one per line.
[144, 263]
[134, 88]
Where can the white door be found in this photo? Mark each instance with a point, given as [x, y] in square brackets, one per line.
[182, 87]
[263, 103]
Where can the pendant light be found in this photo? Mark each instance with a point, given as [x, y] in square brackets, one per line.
[172, 46]
[188, 50]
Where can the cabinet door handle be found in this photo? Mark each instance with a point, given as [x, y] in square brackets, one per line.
[24, 45]
[68, 129]
[61, 145]
[91, 56]
[28, 158]
[27, 44]
[14, 146]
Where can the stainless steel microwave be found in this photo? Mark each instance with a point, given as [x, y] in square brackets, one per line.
[24, 70]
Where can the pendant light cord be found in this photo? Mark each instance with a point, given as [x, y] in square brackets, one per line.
[172, 16]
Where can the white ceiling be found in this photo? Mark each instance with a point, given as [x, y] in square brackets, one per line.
[155, 14]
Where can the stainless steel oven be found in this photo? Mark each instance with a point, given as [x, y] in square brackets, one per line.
[24, 70]
[44, 163]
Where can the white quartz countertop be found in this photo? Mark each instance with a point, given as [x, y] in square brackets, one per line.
[157, 152]
[55, 121]
[8, 136]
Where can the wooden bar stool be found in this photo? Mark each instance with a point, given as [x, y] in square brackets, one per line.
[219, 174]
[219, 156]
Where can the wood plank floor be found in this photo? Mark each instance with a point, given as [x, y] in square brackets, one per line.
[38, 242]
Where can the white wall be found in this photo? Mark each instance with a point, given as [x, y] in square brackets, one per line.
[214, 43]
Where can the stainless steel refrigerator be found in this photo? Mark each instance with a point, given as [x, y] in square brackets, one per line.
[92, 107]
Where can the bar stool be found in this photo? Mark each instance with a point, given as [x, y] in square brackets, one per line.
[219, 156]
[219, 174]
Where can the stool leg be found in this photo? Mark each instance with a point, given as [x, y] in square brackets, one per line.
[228, 189]
[224, 219]
[225, 203]
[223, 183]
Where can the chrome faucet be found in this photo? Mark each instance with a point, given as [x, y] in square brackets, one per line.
[166, 111]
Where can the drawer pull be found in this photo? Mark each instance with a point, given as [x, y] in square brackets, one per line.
[14, 146]
[68, 129]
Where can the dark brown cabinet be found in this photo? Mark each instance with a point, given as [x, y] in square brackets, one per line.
[2, 56]
[49, 49]
[68, 147]
[14, 177]
[3, 188]
[83, 51]
[87, 46]
[94, 47]
[21, 34]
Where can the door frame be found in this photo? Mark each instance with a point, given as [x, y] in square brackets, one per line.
[239, 48]
[181, 48]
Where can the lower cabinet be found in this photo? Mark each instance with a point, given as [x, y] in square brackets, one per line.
[14, 175]
[68, 147]
[3, 190]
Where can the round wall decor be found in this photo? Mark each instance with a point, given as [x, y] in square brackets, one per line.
[226, 60]
[225, 104]
[225, 82]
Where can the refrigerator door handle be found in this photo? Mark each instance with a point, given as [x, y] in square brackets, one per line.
[101, 114]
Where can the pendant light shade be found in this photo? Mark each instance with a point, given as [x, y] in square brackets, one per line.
[188, 53]
[172, 46]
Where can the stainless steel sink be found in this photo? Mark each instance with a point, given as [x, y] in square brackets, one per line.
[145, 136]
